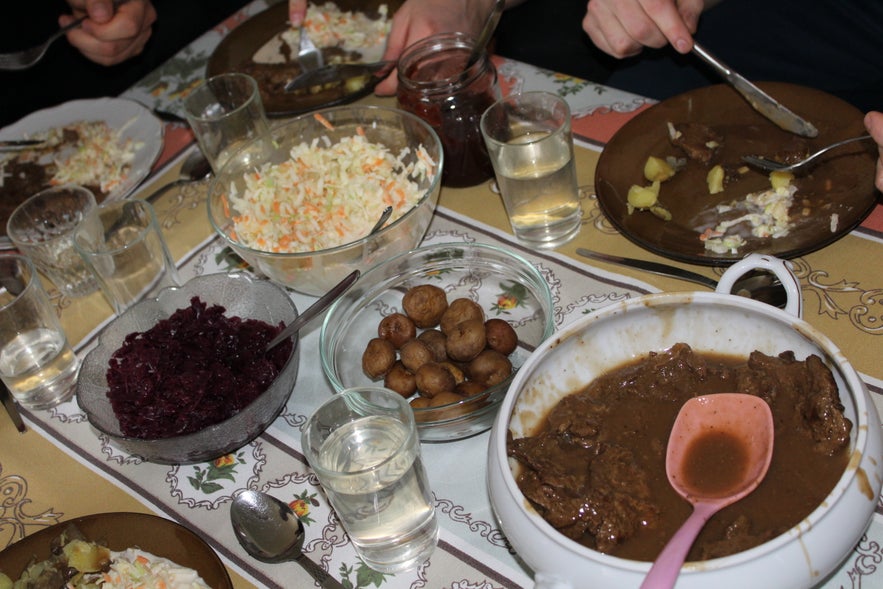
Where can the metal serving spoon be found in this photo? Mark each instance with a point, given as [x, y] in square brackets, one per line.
[270, 531]
[487, 30]
[320, 305]
[802, 165]
[740, 428]
[384, 217]
[762, 286]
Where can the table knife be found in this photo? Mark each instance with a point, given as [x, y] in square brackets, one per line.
[19, 144]
[758, 99]
[11, 409]
[648, 266]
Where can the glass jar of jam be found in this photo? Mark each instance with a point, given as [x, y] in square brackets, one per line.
[434, 84]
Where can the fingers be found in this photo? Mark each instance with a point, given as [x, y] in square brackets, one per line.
[874, 124]
[622, 28]
[297, 10]
[418, 19]
[121, 37]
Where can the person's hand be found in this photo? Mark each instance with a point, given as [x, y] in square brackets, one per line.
[874, 124]
[415, 20]
[110, 35]
[622, 28]
[418, 19]
[297, 11]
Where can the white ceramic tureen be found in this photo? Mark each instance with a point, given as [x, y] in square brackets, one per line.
[711, 322]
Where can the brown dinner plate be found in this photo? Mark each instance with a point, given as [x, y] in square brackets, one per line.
[840, 189]
[118, 531]
[234, 54]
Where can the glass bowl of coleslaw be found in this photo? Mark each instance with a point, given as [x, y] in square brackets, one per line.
[300, 204]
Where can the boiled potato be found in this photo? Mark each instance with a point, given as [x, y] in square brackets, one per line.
[85, 556]
[781, 179]
[715, 179]
[657, 169]
[643, 197]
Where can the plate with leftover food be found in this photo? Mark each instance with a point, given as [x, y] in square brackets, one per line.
[106, 144]
[132, 549]
[265, 47]
[672, 179]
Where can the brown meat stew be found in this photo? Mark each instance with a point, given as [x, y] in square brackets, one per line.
[596, 469]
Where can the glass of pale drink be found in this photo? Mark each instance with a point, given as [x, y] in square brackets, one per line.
[122, 243]
[530, 144]
[37, 363]
[363, 446]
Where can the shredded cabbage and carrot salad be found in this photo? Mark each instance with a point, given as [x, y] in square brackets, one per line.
[765, 213]
[102, 157]
[326, 195]
[136, 569]
[81, 564]
[329, 26]
[88, 153]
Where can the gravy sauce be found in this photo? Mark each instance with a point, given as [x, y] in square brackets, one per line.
[596, 468]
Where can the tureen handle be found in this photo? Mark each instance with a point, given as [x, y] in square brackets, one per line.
[781, 268]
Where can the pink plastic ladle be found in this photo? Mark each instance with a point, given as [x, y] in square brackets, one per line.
[746, 420]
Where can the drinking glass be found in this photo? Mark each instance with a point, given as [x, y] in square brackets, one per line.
[43, 229]
[122, 243]
[225, 113]
[362, 444]
[530, 144]
[37, 363]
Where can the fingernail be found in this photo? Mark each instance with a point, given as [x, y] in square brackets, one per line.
[682, 45]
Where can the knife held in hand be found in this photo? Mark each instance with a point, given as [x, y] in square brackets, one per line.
[758, 99]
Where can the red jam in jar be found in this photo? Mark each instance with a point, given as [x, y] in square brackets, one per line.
[435, 85]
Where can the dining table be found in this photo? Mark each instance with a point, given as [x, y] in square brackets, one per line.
[61, 468]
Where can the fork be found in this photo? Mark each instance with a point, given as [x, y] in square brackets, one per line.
[796, 167]
[22, 60]
[309, 57]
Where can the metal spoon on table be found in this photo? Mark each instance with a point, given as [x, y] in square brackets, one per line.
[195, 167]
[761, 286]
[270, 531]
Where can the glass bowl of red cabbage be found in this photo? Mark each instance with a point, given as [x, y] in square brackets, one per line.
[182, 378]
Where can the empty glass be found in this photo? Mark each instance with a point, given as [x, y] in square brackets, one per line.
[43, 229]
[225, 113]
